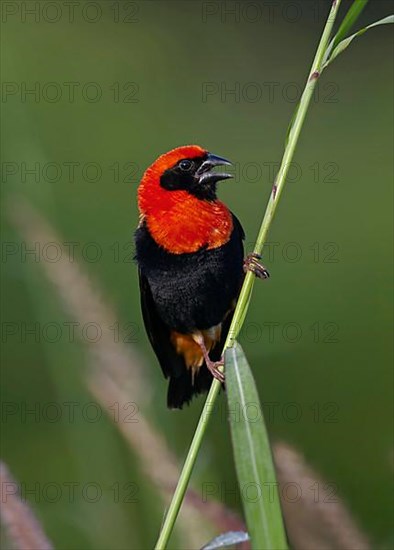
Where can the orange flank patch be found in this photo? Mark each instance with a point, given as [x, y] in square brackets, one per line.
[186, 345]
[177, 220]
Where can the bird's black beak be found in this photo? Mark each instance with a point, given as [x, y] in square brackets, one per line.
[205, 174]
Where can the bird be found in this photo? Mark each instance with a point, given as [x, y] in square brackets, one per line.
[190, 257]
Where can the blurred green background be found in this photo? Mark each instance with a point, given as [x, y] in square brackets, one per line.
[319, 332]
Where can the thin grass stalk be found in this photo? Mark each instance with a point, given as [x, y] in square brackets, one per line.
[244, 297]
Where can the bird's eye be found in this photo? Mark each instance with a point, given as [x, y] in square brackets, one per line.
[185, 165]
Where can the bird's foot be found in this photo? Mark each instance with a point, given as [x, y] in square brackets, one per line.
[251, 263]
[213, 367]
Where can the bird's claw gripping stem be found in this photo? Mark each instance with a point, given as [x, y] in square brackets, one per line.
[213, 367]
[251, 263]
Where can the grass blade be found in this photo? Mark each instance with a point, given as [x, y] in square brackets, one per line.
[253, 459]
[349, 20]
[341, 46]
[339, 43]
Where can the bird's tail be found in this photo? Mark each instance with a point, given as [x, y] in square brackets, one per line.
[182, 388]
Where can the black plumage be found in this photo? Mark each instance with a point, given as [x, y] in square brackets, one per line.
[187, 293]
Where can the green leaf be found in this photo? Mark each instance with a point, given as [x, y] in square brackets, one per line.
[339, 43]
[341, 46]
[253, 458]
[349, 20]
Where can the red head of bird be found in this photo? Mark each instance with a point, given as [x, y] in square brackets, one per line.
[177, 200]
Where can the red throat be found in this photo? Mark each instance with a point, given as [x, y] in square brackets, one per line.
[177, 220]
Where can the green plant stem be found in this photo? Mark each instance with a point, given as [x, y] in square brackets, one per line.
[244, 297]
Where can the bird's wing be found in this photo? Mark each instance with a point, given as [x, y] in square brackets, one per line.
[171, 363]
